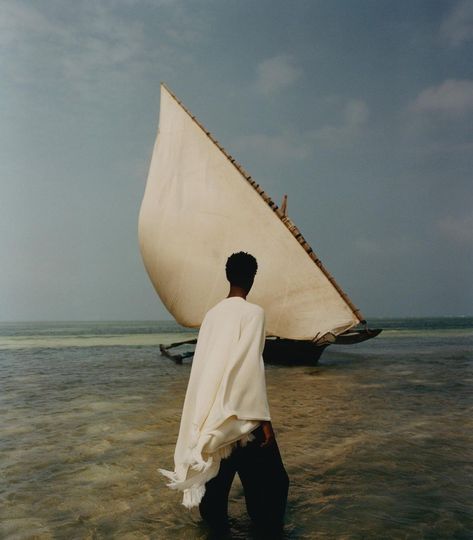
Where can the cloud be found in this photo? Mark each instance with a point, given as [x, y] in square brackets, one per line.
[276, 74]
[354, 114]
[453, 97]
[352, 117]
[282, 145]
[457, 28]
[383, 247]
[91, 48]
[84, 47]
[457, 229]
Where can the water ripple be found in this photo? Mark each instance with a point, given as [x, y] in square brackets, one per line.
[376, 440]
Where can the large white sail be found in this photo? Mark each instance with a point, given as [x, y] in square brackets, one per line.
[199, 207]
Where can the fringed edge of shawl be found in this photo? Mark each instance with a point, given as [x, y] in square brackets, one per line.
[193, 495]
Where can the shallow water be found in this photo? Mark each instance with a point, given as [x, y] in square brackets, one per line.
[376, 438]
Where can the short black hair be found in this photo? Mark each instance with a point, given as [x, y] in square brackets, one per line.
[241, 269]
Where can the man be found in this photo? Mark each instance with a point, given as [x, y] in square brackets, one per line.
[225, 425]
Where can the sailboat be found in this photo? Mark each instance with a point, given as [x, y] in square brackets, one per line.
[199, 207]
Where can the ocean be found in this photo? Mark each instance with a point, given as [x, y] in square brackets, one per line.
[376, 437]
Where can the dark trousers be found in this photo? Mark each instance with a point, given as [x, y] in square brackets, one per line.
[264, 480]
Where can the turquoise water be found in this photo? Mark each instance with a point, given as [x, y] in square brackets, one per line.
[376, 438]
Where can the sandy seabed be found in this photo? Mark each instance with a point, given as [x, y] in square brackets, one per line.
[376, 440]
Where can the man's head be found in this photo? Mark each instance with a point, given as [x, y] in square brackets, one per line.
[241, 269]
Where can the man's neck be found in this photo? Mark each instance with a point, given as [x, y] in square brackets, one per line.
[237, 291]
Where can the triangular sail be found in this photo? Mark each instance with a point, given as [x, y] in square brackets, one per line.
[199, 207]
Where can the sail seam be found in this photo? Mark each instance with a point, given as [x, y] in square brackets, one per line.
[290, 225]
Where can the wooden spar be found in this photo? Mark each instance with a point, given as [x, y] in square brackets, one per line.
[281, 215]
[284, 205]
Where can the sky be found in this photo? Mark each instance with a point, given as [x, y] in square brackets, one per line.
[361, 112]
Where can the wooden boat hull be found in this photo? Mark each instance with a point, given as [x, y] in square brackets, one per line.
[300, 352]
[357, 336]
[284, 351]
[291, 352]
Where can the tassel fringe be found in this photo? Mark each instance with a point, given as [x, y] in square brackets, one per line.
[192, 495]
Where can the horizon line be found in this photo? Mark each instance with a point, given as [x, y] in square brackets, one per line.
[191, 328]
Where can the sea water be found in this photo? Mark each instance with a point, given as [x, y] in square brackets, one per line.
[376, 437]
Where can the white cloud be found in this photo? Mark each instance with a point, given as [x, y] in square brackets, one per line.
[276, 74]
[83, 48]
[356, 112]
[353, 115]
[451, 97]
[282, 145]
[457, 229]
[385, 247]
[457, 28]
[93, 48]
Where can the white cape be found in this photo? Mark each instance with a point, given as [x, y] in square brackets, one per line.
[226, 395]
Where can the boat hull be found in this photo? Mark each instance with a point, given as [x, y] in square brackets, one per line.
[292, 352]
[289, 352]
[357, 336]
[276, 351]
[303, 352]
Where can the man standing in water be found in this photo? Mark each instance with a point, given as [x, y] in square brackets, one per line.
[225, 425]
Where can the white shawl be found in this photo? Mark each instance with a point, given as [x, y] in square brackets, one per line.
[226, 394]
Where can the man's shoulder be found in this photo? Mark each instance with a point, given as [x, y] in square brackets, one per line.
[255, 309]
[240, 306]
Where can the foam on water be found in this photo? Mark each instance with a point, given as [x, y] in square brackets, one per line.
[58, 342]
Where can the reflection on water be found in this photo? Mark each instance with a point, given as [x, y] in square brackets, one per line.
[376, 440]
